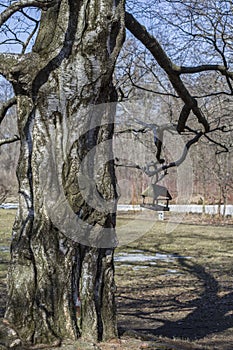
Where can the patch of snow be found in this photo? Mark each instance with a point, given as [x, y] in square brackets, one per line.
[140, 257]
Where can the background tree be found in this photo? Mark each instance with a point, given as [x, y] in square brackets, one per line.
[8, 181]
[196, 36]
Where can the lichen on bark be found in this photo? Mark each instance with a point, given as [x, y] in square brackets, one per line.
[55, 88]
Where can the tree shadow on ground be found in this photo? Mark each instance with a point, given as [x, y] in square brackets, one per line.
[210, 313]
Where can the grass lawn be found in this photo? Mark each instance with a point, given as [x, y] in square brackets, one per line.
[174, 289]
[6, 222]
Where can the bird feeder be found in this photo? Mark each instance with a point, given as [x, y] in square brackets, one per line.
[159, 198]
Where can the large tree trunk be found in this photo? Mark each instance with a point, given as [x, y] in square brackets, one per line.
[63, 236]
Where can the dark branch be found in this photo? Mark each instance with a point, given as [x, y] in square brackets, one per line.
[178, 162]
[183, 118]
[167, 65]
[156, 170]
[5, 107]
[16, 6]
[224, 148]
[204, 68]
[26, 43]
[184, 154]
[9, 140]
[151, 90]
[130, 130]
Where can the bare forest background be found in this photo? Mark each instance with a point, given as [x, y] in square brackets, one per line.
[190, 35]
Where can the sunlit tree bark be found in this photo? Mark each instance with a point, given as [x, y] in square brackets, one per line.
[69, 69]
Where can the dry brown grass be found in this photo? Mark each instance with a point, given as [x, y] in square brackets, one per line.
[184, 303]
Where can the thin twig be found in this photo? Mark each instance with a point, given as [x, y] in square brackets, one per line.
[6, 106]
[9, 140]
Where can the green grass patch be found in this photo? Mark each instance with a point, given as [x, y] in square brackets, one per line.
[6, 222]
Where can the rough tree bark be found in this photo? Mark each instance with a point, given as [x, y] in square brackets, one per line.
[69, 69]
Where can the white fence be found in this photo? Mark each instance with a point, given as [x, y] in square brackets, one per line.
[178, 208]
[183, 208]
[207, 209]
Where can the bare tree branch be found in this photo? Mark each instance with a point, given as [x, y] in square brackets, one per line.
[184, 114]
[173, 71]
[9, 140]
[153, 168]
[212, 94]
[156, 170]
[130, 130]
[151, 90]
[16, 6]
[204, 68]
[224, 148]
[5, 107]
[25, 45]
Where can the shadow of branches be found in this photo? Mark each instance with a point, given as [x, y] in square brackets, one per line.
[212, 313]
[208, 311]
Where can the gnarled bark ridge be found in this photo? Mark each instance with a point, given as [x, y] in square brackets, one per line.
[69, 70]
